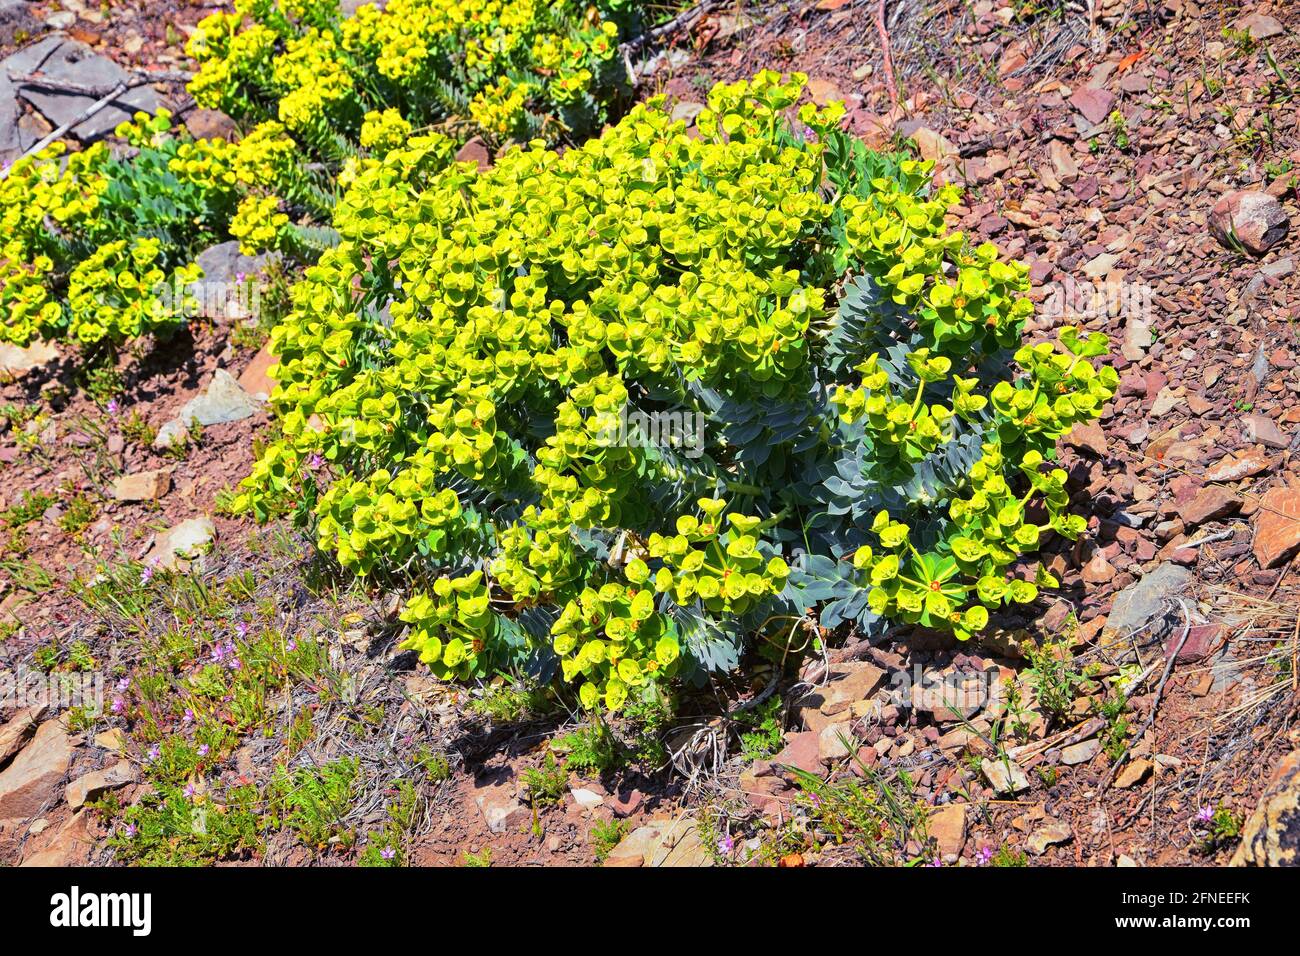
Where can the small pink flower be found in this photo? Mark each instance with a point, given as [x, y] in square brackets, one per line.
[726, 844]
[388, 853]
[119, 705]
[153, 754]
[292, 645]
[188, 717]
[189, 791]
[984, 856]
[147, 574]
[130, 830]
[203, 750]
[1205, 814]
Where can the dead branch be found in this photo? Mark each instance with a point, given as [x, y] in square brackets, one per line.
[883, 30]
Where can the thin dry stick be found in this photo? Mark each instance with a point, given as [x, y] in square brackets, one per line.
[883, 30]
[686, 18]
[1155, 704]
[66, 127]
[1295, 646]
[1278, 583]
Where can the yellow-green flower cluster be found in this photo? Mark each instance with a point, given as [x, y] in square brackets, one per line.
[450, 627]
[76, 226]
[450, 371]
[512, 67]
[43, 198]
[611, 642]
[122, 291]
[258, 224]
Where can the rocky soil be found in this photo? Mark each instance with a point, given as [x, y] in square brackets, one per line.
[1144, 163]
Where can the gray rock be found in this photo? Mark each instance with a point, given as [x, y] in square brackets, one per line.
[587, 799]
[15, 360]
[171, 435]
[67, 61]
[60, 19]
[178, 547]
[17, 23]
[1145, 609]
[224, 401]
[1048, 835]
[1005, 776]
[1080, 752]
[228, 289]
[687, 112]
[10, 111]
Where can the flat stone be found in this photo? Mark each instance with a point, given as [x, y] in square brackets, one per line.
[1211, 503]
[1134, 772]
[1051, 834]
[681, 846]
[1262, 429]
[850, 682]
[1100, 265]
[1201, 641]
[71, 844]
[18, 729]
[1148, 600]
[69, 61]
[1063, 162]
[1006, 777]
[1260, 26]
[1249, 219]
[1277, 526]
[223, 401]
[18, 360]
[947, 824]
[587, 799]
[1088, 437]
[112, 739]
[802, 751]
[95, 784]
[635, 848]
[143, 485]
[1166, 401]
[831, 744]
[179, 546]
[1238, 465]
[27, 785]
[1083, 752]
[1093, 102]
